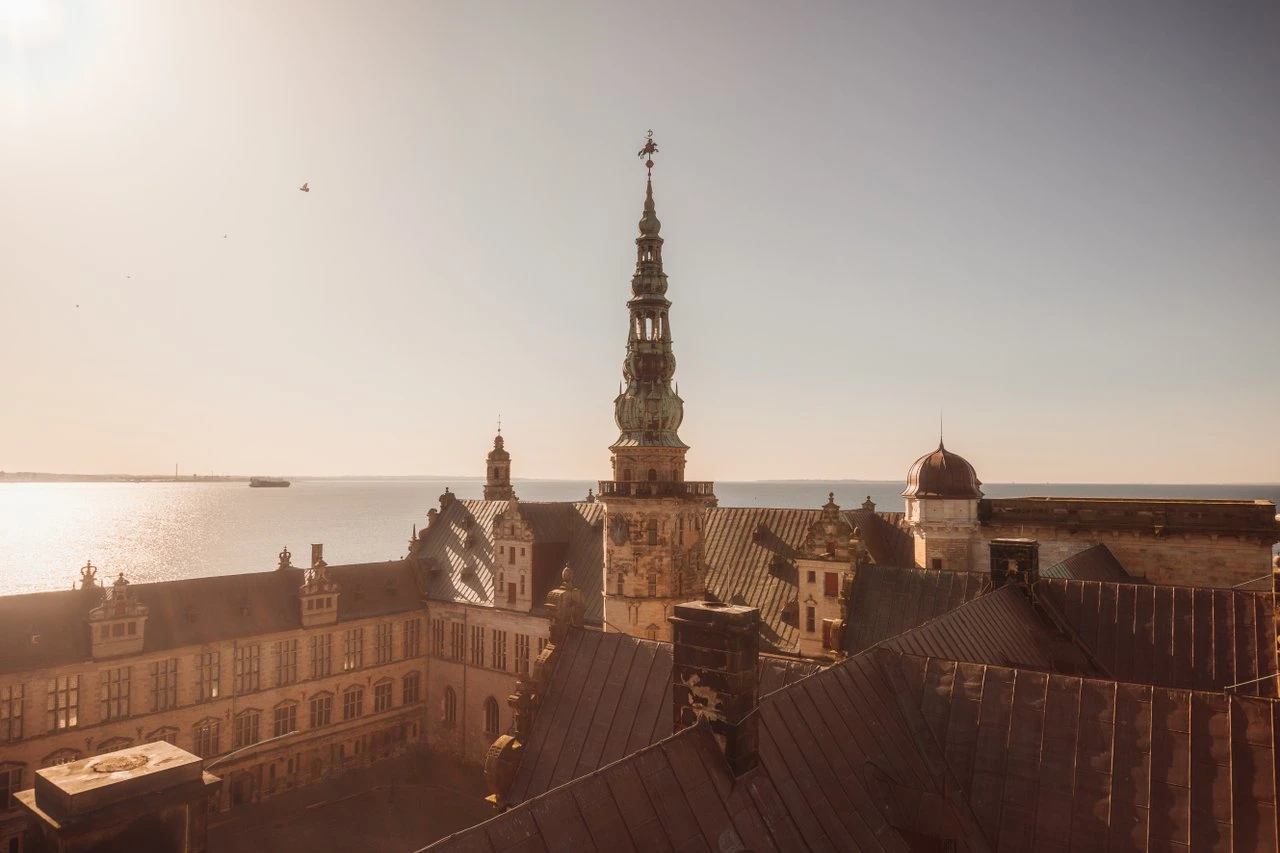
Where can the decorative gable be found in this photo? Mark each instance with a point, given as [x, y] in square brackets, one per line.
[117, 626]
[318, 595]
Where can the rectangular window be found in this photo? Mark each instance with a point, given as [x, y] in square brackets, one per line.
[813, 577]
[248, 674]
[542, 644]
[437, 637]
[321, 711]
[522, 654]
[10, 784]
[456, 640]
[64, 702]
[321, 655]
[831, 584]
[477, 645]
[353, 650]
[246, 729]
[653, 584]
[809, 616]
[286, 662]
[499, 649]
[382, 696]
[413, 638]
[164, 684]
[11, 712]
[352, 703]
[382, 643]
[115, 693]
[206, 738]
[412, 688]
[208, 676]
[285, 720]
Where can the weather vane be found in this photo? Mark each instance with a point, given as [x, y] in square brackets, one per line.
[650, 148]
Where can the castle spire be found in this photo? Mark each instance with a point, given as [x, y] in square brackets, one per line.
[648, 411]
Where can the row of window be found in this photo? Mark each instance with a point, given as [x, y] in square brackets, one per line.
[496, 639]
[63, 700]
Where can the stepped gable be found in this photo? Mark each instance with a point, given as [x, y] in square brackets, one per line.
[45, 629]
[887, 601]
[609, 696]
[1193, 638]
[1092, 564]
[459, 545]
[750, 554]
[1001, 628]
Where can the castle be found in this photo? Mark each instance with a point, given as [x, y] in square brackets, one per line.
[294, 675]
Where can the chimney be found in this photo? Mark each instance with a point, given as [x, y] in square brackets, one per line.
[1014, 560]
[713, 675]
[317, 554]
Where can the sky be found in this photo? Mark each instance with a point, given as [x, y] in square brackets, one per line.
[1057, 224]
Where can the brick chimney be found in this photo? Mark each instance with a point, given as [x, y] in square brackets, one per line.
[713, 675]
[1014, 560]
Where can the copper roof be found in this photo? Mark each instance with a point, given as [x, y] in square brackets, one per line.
[455, 558]
[886, 601]
[610, 695]
[750, 554]
[942, 474]
[1184, 637]
[1092, 564]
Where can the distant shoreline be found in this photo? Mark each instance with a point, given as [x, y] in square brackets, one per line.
[37, 477]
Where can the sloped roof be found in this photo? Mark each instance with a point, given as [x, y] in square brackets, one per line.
[1056, 763]
[887, 601]
[1092, 564]
[1170, 636]
[677, 794]
[194, 611]
[1000, 628]
[609, 696]
[750, 554]
[460, 543]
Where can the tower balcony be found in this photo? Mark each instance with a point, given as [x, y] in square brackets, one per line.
[657, 489]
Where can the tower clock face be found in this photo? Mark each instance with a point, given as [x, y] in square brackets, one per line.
[618, 531]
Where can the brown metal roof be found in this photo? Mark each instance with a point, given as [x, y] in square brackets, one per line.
[887, 601]
[1092, 564]
[750, 554]
[1058, 763]
[610, 695]
[1000, 628]
[1187, 637]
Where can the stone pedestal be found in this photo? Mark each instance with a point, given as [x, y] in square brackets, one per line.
[152, 797]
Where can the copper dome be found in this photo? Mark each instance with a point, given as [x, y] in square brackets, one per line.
[942, 474]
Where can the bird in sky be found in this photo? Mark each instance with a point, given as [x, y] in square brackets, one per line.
[304, 187]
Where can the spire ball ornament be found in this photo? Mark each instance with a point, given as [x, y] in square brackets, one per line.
[650, 148]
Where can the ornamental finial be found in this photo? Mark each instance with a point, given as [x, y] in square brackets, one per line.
[650, 148]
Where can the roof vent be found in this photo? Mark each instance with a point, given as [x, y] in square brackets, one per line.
[189, 613]
[35, 639]
[244, 606]
[757, 533]
[392, 587]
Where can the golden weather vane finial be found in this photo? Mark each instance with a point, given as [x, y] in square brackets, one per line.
[650, 148]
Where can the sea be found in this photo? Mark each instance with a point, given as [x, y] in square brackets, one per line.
[154, 531]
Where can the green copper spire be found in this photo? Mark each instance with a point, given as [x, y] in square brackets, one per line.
[648, 411]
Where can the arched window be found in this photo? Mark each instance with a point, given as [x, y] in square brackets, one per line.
[491, 717]
[653, 475]
[450, 707]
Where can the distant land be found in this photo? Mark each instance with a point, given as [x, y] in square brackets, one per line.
[39, 477]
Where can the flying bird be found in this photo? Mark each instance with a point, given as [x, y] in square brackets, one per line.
[304, 187]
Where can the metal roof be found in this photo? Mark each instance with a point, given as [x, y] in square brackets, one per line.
[887, 601]
[1092, 564]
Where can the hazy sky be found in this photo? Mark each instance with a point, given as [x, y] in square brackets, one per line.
[1060, 222]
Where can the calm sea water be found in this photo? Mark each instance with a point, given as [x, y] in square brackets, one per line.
[159, 531]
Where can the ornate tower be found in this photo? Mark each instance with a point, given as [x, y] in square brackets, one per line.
[497, 485]
[653, 516]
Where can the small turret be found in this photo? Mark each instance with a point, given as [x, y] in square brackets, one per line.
[497, 486]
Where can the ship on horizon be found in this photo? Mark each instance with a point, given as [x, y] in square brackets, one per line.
[267, 483]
